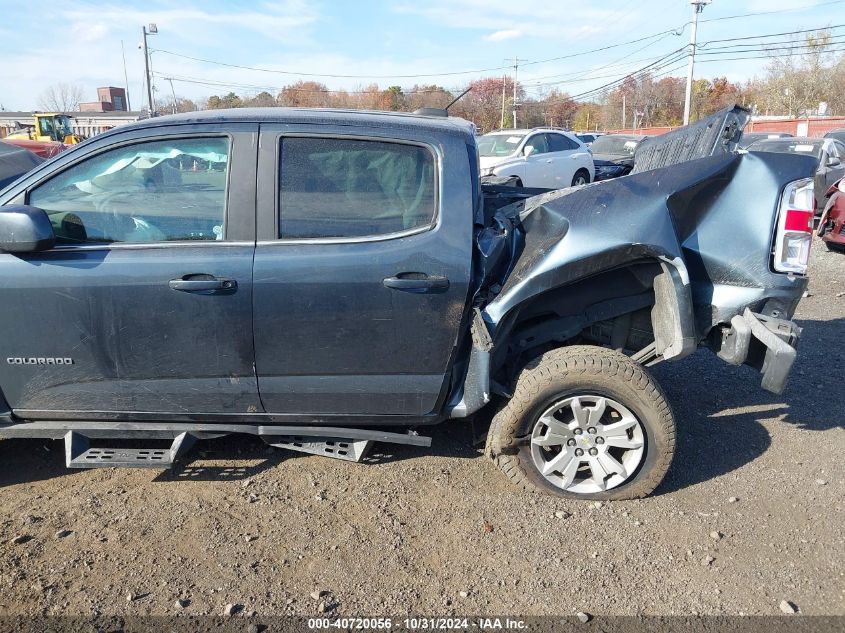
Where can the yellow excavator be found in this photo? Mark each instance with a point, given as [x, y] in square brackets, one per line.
[48, 126]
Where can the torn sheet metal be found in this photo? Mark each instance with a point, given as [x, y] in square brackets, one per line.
[710, 219]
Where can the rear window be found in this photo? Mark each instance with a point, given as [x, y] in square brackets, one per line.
[347, 188]
[788, 146]
[615, 145]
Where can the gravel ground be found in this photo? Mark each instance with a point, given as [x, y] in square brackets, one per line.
[750, 515]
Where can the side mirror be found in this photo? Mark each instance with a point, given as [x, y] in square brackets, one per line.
[528, 150]
[25, 229]
[834, 161]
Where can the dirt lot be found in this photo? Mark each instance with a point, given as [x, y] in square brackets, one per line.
[750, 514]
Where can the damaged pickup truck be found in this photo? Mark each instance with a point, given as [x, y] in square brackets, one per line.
[326, 279]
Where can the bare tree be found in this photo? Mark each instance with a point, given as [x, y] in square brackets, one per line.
[61, 97]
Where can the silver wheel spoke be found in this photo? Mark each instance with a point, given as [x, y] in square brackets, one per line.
[549, 439]
[622, 441]
[618, 428]
[556, 432]
[556, 426]
[597, 411]
[560, 462]
[610, 464]
[582, 417]
[599, 473]
[569, 472]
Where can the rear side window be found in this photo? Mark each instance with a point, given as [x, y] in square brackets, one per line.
[347, 188]
[561, 143]
[157, 191]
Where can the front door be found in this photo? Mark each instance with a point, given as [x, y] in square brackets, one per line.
[361, 276]
[144, 307]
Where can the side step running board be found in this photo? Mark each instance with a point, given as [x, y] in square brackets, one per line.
[350, 451]
[348, 444]
[79, 454]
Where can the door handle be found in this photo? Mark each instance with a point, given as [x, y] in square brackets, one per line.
[206, 283]
[419, 283]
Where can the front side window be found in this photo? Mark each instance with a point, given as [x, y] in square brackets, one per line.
[538, 142]
[347, 188]
[156, 191]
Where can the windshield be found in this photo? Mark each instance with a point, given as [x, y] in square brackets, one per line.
[499, 144]
[789, 146]
[615, 145]
[63, 126]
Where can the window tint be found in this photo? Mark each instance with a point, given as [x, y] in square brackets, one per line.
[147, 192]
[560, 143]
[334, 187]
[539, 143]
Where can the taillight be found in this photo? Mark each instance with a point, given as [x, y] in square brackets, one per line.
[795, 227]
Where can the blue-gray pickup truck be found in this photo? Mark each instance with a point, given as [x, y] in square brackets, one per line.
[328, 279]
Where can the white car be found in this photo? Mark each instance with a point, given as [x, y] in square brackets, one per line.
[548, 159]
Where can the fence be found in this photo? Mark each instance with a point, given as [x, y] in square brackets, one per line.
[815, 127]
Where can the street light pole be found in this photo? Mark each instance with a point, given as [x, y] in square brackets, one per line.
[153, 30]
[697, 7]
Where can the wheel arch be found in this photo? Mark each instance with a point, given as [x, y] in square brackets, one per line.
[632, 306]
[559, 313]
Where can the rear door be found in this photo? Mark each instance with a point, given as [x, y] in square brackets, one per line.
[568, 158]
[143, 309]
[361, 270]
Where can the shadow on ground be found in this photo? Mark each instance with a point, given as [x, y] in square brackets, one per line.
[718, 410]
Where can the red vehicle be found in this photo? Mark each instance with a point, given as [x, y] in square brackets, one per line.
[44, 149]
[832, 224]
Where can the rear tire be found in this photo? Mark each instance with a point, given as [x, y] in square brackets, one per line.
[540, 428]
[581, 177]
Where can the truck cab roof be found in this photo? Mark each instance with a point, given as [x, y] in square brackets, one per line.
[328, 116]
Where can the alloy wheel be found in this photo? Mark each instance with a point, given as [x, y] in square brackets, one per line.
[587, 444]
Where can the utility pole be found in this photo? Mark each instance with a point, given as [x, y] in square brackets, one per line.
[697, 7]
[624, 104]
[153, 30]
[515, 74]
[504, 84]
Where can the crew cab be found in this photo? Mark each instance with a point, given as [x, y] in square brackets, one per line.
[325, 279]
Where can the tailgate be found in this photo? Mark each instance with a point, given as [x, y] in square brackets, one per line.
[719, 133]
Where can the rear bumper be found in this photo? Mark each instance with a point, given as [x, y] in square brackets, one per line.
[762, 342]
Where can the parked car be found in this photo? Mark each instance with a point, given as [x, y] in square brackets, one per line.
[753, 137]
[613, 155]
[832, 224]
[15, 162]
[44, 149]
[829, 152]
[587, 138]
[540, 158]
[837, 135]
[346, 280]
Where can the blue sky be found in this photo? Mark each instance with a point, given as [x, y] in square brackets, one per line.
[79, 41]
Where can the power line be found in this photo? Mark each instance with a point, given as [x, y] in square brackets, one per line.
[224, 84]
[773, 11]
[755, 37]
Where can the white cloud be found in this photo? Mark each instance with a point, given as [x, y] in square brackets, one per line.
[501, 36]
